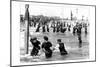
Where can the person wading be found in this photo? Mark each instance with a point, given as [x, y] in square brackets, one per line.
[36, 46]
[46, 46]
[62, 47]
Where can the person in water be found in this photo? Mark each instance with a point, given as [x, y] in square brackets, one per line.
[46, 46]
[36, 47]
[61, 47]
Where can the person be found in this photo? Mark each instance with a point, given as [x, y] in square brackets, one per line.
[54, 28]
[36, 47]
[69, 26]
[62, 47]
[46, 47]
[64, 24]
[57, 27]
[86, 30]
[80, 41]
[47, 28]
[38, 28]
[74, 30]
[79, 36]
[43, 28]
[62, 29]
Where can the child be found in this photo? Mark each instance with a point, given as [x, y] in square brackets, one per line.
[62, 47]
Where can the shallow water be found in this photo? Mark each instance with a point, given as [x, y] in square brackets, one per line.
[71, 45]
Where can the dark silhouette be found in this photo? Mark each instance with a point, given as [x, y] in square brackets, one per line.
[36, 46]
[62, 47]
[46, 47]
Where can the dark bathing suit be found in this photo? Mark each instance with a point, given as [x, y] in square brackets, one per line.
[36, 47]
[62, 49]
[48, 51]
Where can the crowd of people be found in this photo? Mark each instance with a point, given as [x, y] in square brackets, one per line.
[62, 27]
[57, 27]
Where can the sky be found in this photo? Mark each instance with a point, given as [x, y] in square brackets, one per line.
[60, 10]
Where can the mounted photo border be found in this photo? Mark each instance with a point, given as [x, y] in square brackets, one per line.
[47, 3]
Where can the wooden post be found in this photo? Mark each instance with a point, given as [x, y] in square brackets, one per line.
[27, 28]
